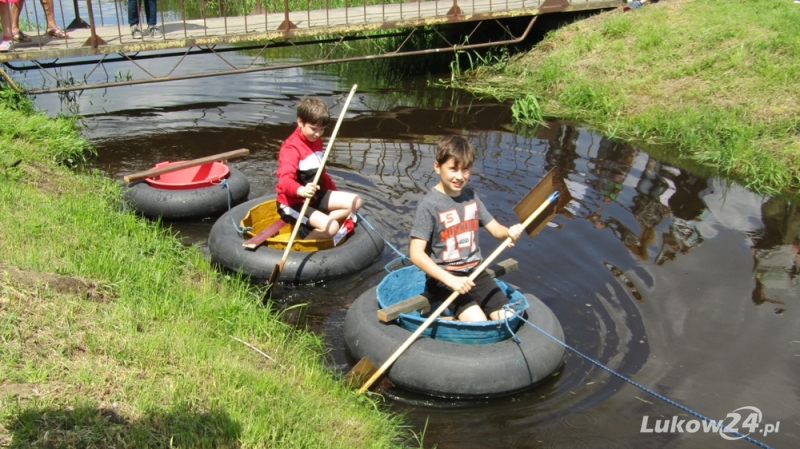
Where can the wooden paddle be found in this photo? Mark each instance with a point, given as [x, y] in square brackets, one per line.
[552, 180]
[276, 272]
[186, 164]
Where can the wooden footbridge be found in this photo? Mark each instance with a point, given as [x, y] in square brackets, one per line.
[99, 36]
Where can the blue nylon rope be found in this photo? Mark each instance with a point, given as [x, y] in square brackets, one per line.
[239, 229]
[637, 385]
[509, 308]
[400, 256]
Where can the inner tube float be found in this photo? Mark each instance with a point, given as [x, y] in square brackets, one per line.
[189, 193]
[452, 369]
[309, 260]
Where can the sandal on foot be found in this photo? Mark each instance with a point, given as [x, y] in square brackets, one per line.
[57, 32]
[21, 37]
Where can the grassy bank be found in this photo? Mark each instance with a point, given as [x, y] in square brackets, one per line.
[713, 82]
[116, 335]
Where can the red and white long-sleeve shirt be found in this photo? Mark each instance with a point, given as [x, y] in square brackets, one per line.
[298, 162]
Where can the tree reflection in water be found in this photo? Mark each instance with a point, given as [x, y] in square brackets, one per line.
[776, 254]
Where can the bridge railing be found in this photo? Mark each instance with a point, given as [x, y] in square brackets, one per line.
[96, 23]
[319, 32]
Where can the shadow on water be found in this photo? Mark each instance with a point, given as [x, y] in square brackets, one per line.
[681, 282]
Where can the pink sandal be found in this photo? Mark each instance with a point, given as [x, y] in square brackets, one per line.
[57, 32]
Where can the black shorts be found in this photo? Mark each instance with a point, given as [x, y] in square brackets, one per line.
[291, 219]
[485, 294]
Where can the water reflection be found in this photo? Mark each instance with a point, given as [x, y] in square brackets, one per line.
[776, 255]
[650, 270]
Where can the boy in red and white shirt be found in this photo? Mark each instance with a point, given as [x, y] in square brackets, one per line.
[298, 161]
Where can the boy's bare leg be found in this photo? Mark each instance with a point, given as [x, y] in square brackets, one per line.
[500, 315]
[325, 226]
[472, 313]
[15, 9]
[49, 14]
[341, 204]
[5, 21]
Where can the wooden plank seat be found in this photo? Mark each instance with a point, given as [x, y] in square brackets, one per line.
[266, 233]
[421, 303]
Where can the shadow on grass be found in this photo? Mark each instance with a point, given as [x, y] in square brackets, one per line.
[89, 427]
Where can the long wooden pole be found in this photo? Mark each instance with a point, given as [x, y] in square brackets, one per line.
[186, 164]
[550, 200]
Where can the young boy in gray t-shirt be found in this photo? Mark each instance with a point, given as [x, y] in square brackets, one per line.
[444, 237]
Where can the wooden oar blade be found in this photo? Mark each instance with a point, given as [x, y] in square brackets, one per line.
[275, 275]
[552, 182]
[362, 371]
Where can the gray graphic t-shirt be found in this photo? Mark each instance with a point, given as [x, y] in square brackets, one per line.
[450, 226]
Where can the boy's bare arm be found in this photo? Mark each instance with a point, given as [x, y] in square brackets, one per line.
[501, 232]
[416, 252]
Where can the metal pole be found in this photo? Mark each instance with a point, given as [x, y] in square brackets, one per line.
[94, 40]
[77, 22]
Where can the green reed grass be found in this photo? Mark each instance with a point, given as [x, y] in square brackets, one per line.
[148, 355]
[712, 82]
[528, 110]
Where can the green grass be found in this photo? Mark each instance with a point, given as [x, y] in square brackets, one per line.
[711, 82]
[136, 344]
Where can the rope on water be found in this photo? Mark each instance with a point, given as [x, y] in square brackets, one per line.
[241, 230]
[400, 256]
[637, 385]
[509, 308]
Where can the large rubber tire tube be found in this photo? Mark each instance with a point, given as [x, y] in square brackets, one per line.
[453, 370]
[225, 245]
[186, 204]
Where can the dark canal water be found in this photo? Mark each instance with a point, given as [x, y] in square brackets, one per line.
[683, 284]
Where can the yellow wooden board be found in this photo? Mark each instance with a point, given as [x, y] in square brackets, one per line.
[264, 214]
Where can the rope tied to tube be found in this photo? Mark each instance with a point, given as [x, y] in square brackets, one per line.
[239, 229]
[716, 424]
[400, 256]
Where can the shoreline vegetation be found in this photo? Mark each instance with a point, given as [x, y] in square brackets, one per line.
[115, 334]
[709, 83]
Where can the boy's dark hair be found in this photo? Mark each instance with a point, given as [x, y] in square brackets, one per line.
[313, 111]
[455, 147]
